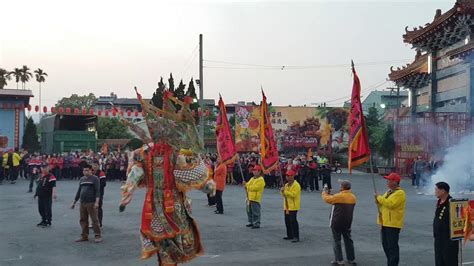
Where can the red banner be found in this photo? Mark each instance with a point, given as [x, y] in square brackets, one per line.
[359, 150]
[268, 147]
[225, 144]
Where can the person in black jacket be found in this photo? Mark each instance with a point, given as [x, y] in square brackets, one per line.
[89, 195]
[103, 182]
[446, 250]
[46, 192]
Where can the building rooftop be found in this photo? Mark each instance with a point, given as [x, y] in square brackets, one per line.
[16, 93]
[435, 35]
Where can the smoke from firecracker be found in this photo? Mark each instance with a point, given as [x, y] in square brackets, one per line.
[457, 168]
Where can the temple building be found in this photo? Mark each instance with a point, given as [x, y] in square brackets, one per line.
[440, 85]
[440, 77]
[12, 117]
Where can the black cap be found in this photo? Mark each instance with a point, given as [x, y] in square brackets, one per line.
[443, 185]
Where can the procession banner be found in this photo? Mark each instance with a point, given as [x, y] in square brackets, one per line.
[457, 212]
[268, 147]
[225, 145]
[359, 150]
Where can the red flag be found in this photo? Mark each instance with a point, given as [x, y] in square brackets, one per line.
[359, 150]
[225, 144]
[268, 147]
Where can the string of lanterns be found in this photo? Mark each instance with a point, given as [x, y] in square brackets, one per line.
[76, 111]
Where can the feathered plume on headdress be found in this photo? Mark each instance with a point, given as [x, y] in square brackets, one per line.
[169, 125]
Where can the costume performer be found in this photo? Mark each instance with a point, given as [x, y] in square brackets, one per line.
[168, 166]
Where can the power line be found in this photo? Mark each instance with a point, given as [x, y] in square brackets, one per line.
[363, 92]
[190, 60]
[285, 67]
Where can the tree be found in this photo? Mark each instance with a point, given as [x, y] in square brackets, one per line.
[40, 78]
[76, 101]
[179, 92]
[157, 98]
[373, 126]
[17, 74]
[30, 137]
[171, 83]
[112, 128]
[191, 89]
[4, 77]
[25, 76]
[385, 141]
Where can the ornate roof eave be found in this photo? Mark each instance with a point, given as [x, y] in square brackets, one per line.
[462, 51]
[462, 8]
[420, 65]
[414, 81]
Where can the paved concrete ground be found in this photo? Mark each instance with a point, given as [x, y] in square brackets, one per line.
[226, 239]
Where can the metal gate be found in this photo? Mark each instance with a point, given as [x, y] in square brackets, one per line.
[426, 136]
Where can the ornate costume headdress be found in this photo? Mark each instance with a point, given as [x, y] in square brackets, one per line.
[174, 124]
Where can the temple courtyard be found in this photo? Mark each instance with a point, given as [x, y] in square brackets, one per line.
[225, 238]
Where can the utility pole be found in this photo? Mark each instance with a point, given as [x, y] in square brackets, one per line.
[201, 91]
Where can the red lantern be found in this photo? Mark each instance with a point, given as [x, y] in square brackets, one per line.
[84, 111]
[199, 113]
[129, 113]
[60, 110]
[114, 112]
[193, 113]
[188, 100]
[91, 111]
[45, 109]
[76, 111]
[136, 113]
[37, 108]
[52, 109]
[99, 113]
[208, 112]
[68, 110]
[28, 107]
[106, 112]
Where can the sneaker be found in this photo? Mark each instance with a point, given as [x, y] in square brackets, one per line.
[41, 223]
[255, 227]
[82, 239]
[249, 225]
[98, 239]
[337, 262]
[295, 240]
[351, 262]
[287, 238]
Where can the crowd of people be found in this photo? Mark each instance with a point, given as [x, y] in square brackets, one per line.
[300, 173]
[22, 164]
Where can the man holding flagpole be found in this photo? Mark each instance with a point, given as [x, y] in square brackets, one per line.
[227, 154]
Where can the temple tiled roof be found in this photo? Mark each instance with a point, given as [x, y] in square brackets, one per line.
[419, 66]
[459, 16]
[461, 51]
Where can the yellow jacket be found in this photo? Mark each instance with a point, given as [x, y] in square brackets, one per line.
[16, 160]
[255, 188]
[291, 196]
[392, 208]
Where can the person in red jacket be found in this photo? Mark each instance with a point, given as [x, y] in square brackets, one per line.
[220, 174]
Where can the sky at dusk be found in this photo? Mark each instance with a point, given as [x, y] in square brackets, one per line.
[112, 46]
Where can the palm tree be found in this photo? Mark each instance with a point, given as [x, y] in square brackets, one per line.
[17, 74]
[4, 76]
[40, 77]
[26, 75]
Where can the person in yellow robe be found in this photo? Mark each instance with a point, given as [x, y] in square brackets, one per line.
[254, 189]
[291, 193]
